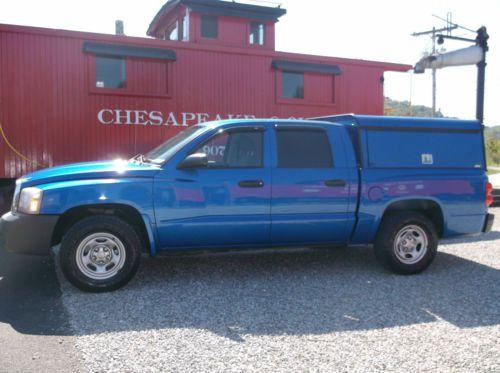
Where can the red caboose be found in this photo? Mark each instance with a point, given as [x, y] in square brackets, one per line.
[69, 96]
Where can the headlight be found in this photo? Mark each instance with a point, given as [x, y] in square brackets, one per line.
[30, 200]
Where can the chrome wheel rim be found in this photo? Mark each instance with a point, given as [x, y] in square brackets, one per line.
[411, 244]
[100, 255]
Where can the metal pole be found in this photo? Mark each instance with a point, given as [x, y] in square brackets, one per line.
[482, 41]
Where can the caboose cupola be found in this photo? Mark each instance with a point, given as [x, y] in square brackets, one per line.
[216, 22]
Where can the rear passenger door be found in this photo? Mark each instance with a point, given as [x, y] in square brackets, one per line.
[311, 194]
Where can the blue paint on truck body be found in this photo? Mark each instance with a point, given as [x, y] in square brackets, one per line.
[377, 163]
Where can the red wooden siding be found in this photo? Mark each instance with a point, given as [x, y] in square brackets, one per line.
[49, 104]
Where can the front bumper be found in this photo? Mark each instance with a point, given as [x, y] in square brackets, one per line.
[27, 234]
[488, 223]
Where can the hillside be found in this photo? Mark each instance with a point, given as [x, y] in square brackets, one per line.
[404, 109]
[493, 133]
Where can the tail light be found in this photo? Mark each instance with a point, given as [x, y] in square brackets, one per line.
[488, 199]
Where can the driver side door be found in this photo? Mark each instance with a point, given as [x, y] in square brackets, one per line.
[227, 203]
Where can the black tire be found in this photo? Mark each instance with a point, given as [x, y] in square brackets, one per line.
[116, 237]
[410, 259]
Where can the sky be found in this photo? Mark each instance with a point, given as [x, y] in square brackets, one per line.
[363, 29]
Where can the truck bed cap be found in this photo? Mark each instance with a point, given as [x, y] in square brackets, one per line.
[387, 122]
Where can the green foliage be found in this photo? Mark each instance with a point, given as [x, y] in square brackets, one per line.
[493, 132]
[492, 152]
[492, 141]
[405, 109]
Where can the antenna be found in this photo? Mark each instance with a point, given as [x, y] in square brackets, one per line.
[448, 21]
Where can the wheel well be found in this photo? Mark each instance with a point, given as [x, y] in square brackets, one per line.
[428, 208]
[127, 213]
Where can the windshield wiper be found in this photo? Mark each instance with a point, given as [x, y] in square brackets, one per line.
[140, 158]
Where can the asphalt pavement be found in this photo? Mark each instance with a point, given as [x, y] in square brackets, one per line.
[35, 334]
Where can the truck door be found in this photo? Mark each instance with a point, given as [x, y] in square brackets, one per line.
[311, 199]
[226, 203]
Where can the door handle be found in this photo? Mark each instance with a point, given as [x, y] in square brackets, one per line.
[335, 183]
[251, 183]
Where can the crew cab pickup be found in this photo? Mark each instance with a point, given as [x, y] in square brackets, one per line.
[400, 184]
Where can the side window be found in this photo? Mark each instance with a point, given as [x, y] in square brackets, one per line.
[240, 149]
[128, 70]
[172, 32]
[303, 148]
[257, 33]
[293, 85]
[185, 26]
[209, 27]
[110, 72]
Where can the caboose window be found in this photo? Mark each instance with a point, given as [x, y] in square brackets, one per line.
[209, 27]
[172, 32]
[110, 72]
[292, 85]
[257, 33]
[185, 26]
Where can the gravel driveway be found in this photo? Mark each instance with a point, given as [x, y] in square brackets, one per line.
[297, 310]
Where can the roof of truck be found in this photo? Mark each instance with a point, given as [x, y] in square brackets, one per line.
[387, 122]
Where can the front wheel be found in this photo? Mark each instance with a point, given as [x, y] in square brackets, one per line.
[100, 253]
[406, 242]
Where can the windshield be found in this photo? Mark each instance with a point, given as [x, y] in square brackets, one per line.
[162, 153]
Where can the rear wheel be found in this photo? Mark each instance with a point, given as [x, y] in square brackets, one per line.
[100, 253]
[406, 242]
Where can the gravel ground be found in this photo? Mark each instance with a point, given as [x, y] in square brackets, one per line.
[297, 310]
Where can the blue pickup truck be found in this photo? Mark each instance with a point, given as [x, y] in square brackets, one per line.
[400, 184]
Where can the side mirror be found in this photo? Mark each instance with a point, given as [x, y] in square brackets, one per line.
[197, 160]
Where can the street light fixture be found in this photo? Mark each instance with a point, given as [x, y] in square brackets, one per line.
[474, 55]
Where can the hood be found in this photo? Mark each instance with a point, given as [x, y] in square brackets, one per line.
[90, 170]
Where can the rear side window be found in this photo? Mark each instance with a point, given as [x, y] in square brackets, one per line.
[303, 148]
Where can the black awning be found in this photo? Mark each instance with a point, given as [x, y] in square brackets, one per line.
[232, 9]
[121, 50]
[306, 67]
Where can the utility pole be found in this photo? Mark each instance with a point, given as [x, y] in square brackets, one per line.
[449, 26]
[481, 41]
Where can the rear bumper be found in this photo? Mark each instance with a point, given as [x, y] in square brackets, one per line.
[27, 234]
[488, 223]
